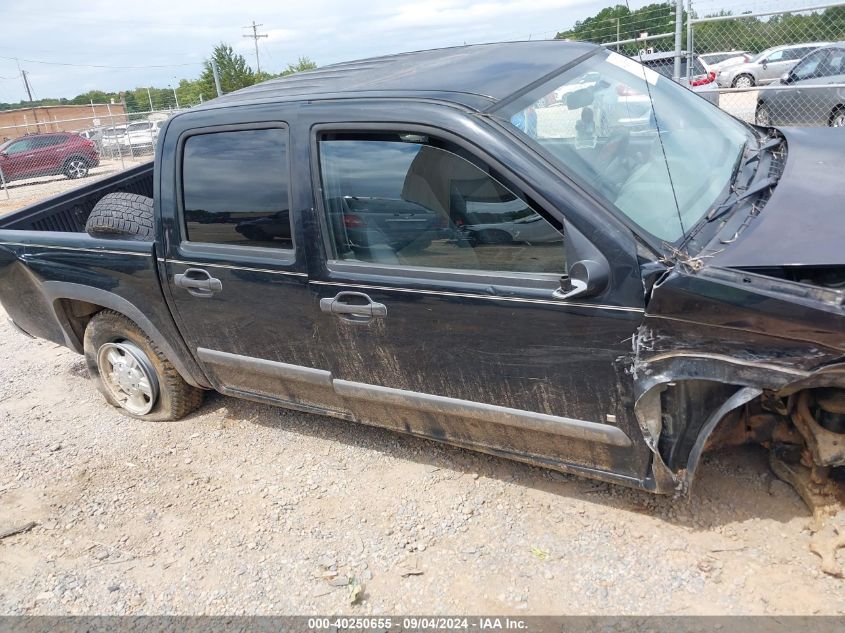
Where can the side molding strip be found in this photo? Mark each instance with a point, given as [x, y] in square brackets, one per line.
[568, 427]
[296, 373]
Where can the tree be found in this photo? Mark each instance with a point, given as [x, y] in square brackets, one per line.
[301, 65]
[235, 73]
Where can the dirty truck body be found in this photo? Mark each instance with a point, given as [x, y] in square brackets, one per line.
[619, 352]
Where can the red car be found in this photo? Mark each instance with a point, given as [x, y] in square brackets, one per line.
[47, 155]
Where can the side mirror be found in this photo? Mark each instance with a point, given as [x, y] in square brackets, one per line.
[786, 78]
[589, 274]
[764, 63]
[586, 278]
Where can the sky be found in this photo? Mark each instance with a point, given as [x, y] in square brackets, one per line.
[157, 42]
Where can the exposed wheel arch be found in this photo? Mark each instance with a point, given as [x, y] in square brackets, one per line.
[75, 304]
[837, 116]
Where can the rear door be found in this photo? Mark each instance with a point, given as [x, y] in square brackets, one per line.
[462, 339]
[48, 153]
[235, 268]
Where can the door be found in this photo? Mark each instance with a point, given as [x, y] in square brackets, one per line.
[235, 271]
[774, 65]
[815, 101]
[18, 160]
[48, 153]
[457, 334]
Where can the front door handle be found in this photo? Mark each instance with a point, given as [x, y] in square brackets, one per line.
[353, 306]
[198, 282]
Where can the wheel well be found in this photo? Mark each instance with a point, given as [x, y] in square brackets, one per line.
[77, 314]
[85, 159]
[836, 110]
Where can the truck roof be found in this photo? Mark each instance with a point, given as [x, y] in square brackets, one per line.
[475, 76]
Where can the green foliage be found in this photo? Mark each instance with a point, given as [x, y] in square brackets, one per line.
[750, 34]
[235, 73]
[301, 65]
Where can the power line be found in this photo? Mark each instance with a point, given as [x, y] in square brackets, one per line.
[255, 35]
[36, 61]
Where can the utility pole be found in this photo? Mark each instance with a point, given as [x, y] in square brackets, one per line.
[255, 35]
[150, 97]
[679, 23]
[216, 72]
[29, 94]
[618, 36]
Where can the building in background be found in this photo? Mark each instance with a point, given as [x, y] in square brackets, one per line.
[59, 118]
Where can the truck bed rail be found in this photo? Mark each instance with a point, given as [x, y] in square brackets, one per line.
[68, 212]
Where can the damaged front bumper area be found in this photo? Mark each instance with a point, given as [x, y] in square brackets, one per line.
[728, 357]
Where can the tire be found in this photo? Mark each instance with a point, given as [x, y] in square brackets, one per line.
[763, 116]
[110, 335]
[837, 117]
[76, 167]
[122, 215]
[743, 81]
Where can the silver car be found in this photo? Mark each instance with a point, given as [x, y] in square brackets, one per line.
[767, 67]
[809, 94]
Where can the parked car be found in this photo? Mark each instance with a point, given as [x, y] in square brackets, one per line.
[664, 323]
[47, 155]
[714, 62]
[767, 67]
[113, 140]
[140, 136]
[804, 97]
[699, 80]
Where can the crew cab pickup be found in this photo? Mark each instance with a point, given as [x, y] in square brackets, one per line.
[313, 242]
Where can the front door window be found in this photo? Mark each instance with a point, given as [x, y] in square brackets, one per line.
[410, 200]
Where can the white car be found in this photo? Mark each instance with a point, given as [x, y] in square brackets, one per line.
[141, 136]
[714, 62]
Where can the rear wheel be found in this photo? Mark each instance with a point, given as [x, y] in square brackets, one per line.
[837, 118]
[743, 81]
[76, 167]
[132, 373]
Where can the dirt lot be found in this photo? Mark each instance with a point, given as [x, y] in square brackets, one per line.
[243, 508]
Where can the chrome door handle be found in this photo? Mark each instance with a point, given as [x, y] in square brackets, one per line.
[362, 310]
[198, 282]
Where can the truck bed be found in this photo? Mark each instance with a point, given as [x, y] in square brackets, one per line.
[68, 212]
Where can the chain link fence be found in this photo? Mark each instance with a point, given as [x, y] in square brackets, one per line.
[45, 151]
[783, 66]
[776, 67]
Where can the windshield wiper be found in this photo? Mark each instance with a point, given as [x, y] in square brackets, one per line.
[772, 143]
[729, 204]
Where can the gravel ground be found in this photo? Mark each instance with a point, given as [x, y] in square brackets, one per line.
[248, 509]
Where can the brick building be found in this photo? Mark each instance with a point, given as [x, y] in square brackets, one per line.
[58, 118]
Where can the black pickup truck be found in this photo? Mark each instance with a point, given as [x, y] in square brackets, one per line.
[644, 288]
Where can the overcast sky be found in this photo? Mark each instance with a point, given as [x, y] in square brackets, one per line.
[180, 34]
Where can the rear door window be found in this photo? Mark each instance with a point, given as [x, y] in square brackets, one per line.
[235, 188]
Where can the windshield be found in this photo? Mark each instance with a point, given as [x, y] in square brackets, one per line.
[662, 165]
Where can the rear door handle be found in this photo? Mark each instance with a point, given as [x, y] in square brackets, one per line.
[363, 309]
[198, 282]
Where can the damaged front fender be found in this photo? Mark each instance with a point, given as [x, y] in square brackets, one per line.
[696, 364]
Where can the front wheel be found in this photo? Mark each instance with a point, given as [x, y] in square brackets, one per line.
[132, 373]
[763, 117]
